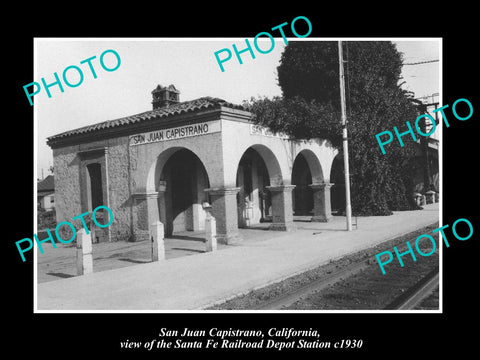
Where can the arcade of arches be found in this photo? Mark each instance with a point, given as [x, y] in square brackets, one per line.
[167, 163]
[184, 187]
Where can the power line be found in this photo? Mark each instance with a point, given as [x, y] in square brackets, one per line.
[422, 62]
[428, 96]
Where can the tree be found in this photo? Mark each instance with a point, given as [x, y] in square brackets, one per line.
[297, 117]
[310, 107]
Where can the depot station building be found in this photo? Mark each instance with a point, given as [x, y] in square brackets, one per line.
[168, 164]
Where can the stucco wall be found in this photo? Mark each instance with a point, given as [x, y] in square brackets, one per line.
[66, 165]
[150, 159]
[279, 154]
[119, 188]
[133, 172]
[68, 184]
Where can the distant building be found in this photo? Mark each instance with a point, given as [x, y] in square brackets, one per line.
[46, 193]
[427, 177]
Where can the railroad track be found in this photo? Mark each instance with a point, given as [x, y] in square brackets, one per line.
[290, 297]
[414, 296]
[408, 300]
[353, 282]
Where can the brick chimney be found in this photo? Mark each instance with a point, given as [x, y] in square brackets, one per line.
[164, 96]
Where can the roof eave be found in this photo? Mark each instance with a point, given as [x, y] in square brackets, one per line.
[156, 123]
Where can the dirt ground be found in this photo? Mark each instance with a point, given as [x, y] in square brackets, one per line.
[60, 262]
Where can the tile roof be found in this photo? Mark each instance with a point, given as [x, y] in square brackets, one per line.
[46, 184]
[202, 103]
[42, 194]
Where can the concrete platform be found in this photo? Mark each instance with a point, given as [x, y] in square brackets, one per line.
[198, 281]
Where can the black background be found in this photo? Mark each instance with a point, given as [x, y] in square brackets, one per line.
[66, 335]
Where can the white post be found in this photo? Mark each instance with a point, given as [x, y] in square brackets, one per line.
[157, 233]
[210, 229]
[210, 234]
[84, 253]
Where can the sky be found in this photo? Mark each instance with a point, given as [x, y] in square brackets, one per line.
[188, 64]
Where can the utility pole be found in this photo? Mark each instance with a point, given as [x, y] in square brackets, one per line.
[424, 141]
[424, 145]
[348, 206]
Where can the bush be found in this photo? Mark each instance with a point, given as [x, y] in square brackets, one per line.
[46, 219]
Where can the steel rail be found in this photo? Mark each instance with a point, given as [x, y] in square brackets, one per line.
[290, 297]
[414, 295]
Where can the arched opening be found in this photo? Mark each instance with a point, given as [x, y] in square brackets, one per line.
[337, 192]
[183, 180]
[306, 171]
[302, 199]
[253, 199]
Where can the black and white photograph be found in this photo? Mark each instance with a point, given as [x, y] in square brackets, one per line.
[282, 188]
[237, 178]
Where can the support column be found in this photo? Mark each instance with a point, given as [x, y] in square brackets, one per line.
[145, 212]
[242, 222]
[322, 211]
[199, 195]
[152, 206]
[282, 213]
[255, 213]
[224, 210]
[84, 253]
[162, 204]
